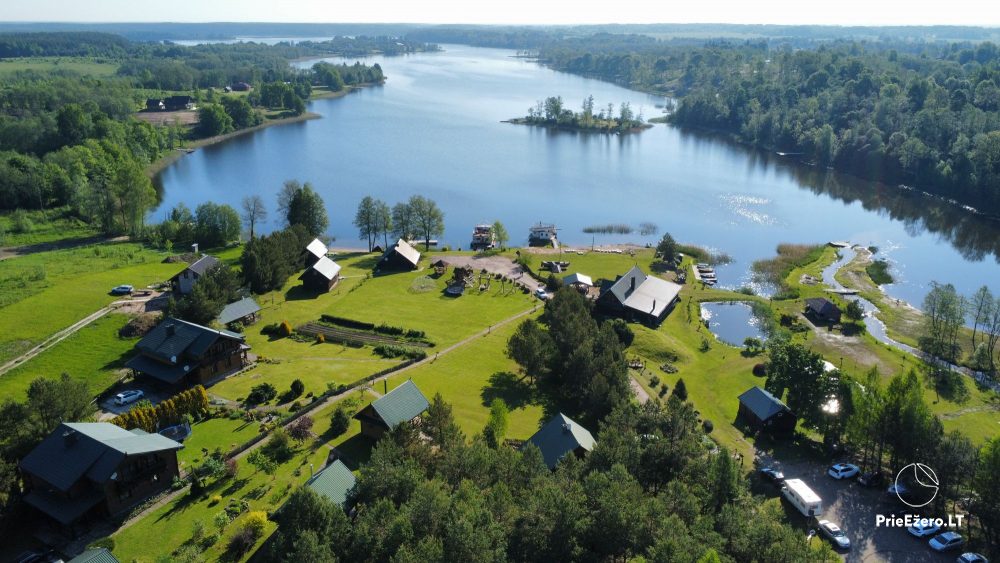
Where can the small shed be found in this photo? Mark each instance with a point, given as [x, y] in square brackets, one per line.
[762, 411]
[184, 281]
[400, 256]
[322, 276]
[561, 436]
[823, 310]
[334, 482]
[403, 404]
[245, 311]
[440, 266]
[314, 251]
[581, 282]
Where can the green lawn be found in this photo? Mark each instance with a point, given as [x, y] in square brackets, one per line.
[47, 292]
[171, 525]
[50, 226]
[94, 354]
[597, 265]
[223, 433]
[471, 376]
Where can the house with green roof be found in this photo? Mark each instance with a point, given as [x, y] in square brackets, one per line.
[403, 404]
[244, 312]
[334, 482]
[177, 352]
[97, 555]
[561, 436]
[86, 470]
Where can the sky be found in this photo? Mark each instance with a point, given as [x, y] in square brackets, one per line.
[836, 12]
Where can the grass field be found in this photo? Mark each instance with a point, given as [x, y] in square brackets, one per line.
[172, 524]
[80, 65]
[43, 293]
[207, 435]
[471, 376]
[597, 265]
[48, 227]
[94, 354]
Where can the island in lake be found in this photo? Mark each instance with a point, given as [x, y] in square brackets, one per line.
[552, 113]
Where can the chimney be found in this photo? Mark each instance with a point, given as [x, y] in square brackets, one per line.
[567, 428]
[171, 329]
[194, 248]
[632, 284]
[70, 437]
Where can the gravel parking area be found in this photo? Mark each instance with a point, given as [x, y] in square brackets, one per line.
[854, 508]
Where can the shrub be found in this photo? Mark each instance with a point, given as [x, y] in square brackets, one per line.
[261, 393]
[663, 391]
[221, 520]
[707, 426]
[760, 370]
[232, 468]
[271, 329]
[340, 421]
[208, 541]
[390, 330]
[241, 543]
[705, 345]
[320, 338]
[623, 332]
[298, 388]
[654, 381]
[216, 499]
[279, 447]
[680, 390]
[286, 329]
[415, 333]
[256, 521]
[197, 531]
[392, 351]
[301, 429]
[22, 223]
[347, 323]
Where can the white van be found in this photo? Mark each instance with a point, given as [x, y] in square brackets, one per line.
[802, 497]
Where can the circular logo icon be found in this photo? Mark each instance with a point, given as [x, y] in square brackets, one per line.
[916, 485]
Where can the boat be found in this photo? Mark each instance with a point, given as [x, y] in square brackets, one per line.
[542, 235]
[483, 237]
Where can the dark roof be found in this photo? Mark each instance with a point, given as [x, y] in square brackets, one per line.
[200, 266]
[439, 263]
[89, 449]
[333, 481]
[173, 339]
[560, 436]
[645, 294]
[168, 373]
[402, 404]
[761, 403]
[64, 510]
[406, 250]
[99, 555]
[237, 310]
[822, 306]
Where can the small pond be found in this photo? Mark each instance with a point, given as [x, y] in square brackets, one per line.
[731, 321]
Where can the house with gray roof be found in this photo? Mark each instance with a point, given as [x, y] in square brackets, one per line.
[334, 482]
[315, 251]
[760, 410]
[561, 436]
[184, 281]
[636, 296]
[97, 555]
[243, 312]
[822, 309]
[403, 404]
[178, 352]
[87, 470]
[400, 256]
[321, 276]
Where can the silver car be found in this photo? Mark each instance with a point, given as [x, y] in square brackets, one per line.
[126, 397]
[833, 533]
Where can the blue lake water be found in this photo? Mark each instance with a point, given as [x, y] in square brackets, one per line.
[435, 129]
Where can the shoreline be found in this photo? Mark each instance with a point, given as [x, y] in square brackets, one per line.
[160, 164]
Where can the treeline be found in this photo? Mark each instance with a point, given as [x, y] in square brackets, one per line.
[926, 114]
[69, 44]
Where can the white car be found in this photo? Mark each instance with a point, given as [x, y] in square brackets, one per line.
[541, 294]
[843, 470]
[946, 541]
[126, 397]
[972, 558]
[833, 533]
[924, 528]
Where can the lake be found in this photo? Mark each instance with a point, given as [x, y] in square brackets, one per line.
[731, 322]
[435, 129]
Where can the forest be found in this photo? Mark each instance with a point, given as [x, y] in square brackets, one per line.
[71, 141]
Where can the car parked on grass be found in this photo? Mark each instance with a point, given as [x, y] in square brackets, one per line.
[122, 290]
[946, 541]
[871, 479]
[972, 558]
[843, 470]
[127, 397]
[833, 533]
[924, 528]
[773, 475]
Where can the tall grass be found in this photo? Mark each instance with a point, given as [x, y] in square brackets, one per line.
[773, 271]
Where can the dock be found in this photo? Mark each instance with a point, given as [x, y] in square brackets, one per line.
[704, 273]
[839, 244]
[843, 291]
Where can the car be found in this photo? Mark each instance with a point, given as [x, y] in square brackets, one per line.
[924, 528]
[972, 558]
[772, 475]
[541, 293]
[126, 397]
[122, 290]
[946, 541]
[843, 470]
[833, 533]
[870, 479]
[898, 489]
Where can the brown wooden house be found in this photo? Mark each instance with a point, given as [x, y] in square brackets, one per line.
[636, 296]
[321, 276]
[399, 257]
[89, 470]
[762, 411]
[177, 352]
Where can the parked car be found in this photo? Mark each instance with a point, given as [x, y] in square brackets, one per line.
[833, 533]
[972, 558]
[122, 290]
[126, 397]
[773, 475]
[843, 470]
[924, 528]
[871, 479]
[946, 541]
[898, 489]
[541, 294]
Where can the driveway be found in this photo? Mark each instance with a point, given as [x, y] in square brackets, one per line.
[854, 508]
[153, 393]
[495, 265]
